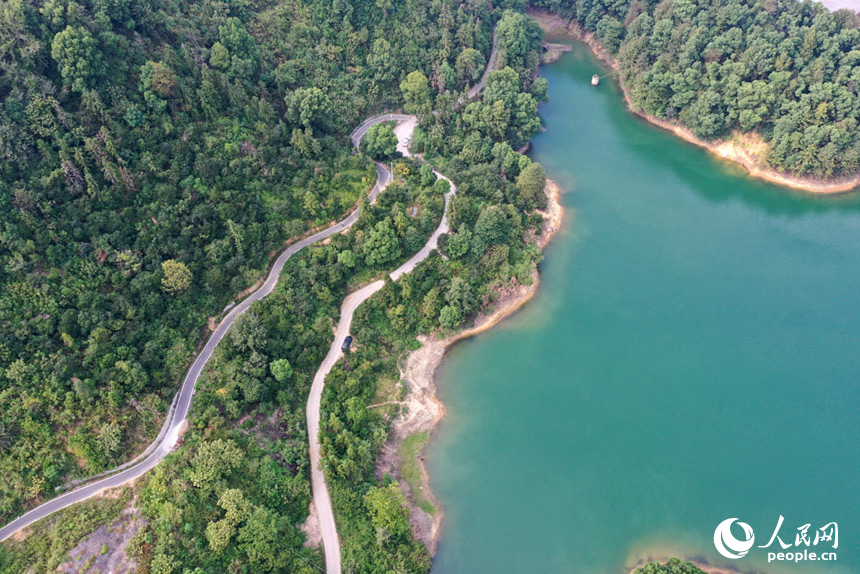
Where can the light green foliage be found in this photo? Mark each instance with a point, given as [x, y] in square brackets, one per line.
[450, 316]
[427, 175]
[461, 297]
[281, 370]
[309, 107]
[109, 438]
[176, 277]
[459, 244]
[164, 564]
[265, 538]
[212, 460]
[416, 92]
[248, 332]
[219, 56]
[491, 228]
[504, 112]
[241, 48]
[346, 258]
[388, 512]
[380, 142]
[78, 58]
[157, 82]
[518, 35]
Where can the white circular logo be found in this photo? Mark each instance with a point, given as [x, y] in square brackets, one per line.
[726, 542]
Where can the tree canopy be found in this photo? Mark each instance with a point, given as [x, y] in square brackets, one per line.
[787, 72]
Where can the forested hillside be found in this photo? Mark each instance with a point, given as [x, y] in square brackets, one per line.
[788, 71]
[152, 155]
[176, 208]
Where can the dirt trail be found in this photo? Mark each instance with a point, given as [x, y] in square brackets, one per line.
[421, 410]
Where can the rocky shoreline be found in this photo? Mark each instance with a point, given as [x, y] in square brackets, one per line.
[421, 410]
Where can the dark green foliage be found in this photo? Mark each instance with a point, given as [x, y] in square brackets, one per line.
[137, 133]
[788, 71]
[487, 249]
[149, 168]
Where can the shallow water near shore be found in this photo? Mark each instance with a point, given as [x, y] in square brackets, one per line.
[691, 356]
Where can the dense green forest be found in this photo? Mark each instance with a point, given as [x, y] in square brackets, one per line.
[786, 70]
[492, 219]
[152, 155]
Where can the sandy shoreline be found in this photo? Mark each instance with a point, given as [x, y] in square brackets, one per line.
[421, 410]
[741, 149]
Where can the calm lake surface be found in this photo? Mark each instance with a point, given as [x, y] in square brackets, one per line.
[691, 356]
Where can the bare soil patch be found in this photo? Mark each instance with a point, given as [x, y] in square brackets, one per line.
[420, 410]
[104, 550]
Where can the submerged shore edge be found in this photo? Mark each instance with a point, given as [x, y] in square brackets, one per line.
[725, 149]
[423, 410]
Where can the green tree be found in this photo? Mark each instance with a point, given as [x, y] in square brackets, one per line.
[346, 258]
[672, 566]
[469, 66]
[380, 141]
[248, 332]
[450, 316]
[416, 92]
[78, 58]
[490, 228]
[459, 244]
[388, 512]
[212, 460]
[175, 277]
[219, 56]
[461, 296]
[381, 245]
[531, 183]
[241, 47]
[309, 107]
[264, 538]
[518, 35]
[281, 370]
[110, 438]
[163, 564]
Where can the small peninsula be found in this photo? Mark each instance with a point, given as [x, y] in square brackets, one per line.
[737, 80]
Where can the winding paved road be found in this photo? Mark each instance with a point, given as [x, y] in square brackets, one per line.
[178, 412]
[321, 498]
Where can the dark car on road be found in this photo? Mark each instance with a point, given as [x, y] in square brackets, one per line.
[346, 343]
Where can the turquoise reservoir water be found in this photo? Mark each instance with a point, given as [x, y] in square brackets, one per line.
[691, 356]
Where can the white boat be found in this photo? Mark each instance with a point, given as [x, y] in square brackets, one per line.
[595, 79]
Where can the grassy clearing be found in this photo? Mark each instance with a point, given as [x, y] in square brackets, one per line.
[410, 470]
